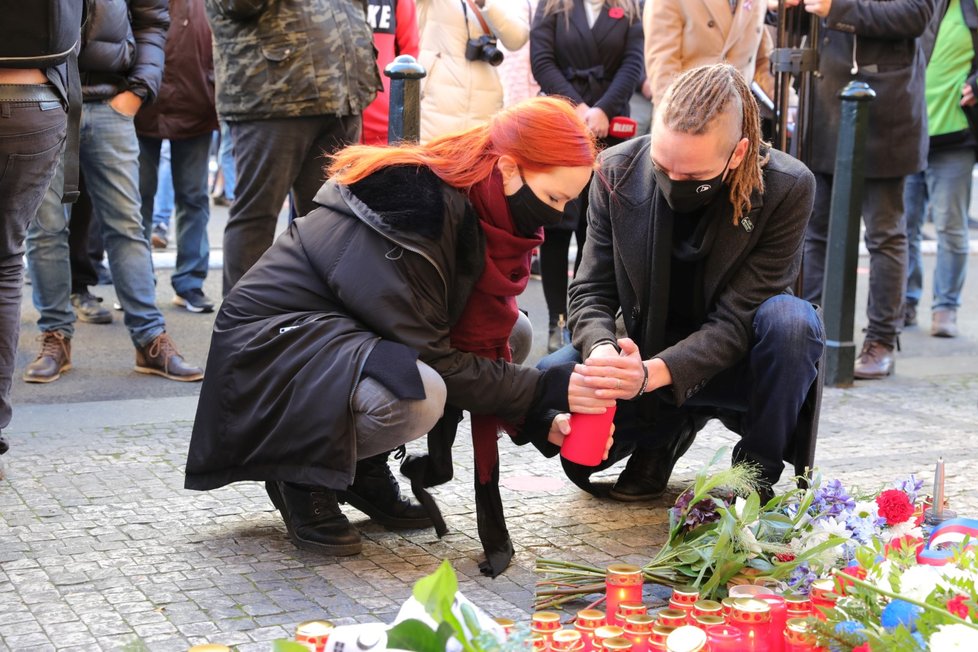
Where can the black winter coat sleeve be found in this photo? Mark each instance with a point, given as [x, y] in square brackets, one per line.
[893, 19]
[543, 56]
[150, 20]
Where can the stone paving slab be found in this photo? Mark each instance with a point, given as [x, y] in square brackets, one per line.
[102, 548]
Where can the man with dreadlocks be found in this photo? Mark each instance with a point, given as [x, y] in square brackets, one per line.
[694, 239]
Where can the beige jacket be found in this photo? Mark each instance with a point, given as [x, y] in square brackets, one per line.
[684, 34]
[457, 93]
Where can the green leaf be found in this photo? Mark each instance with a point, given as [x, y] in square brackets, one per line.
[761, 564]
[413, 635]
[285, 645]
[445, 632]
[471, 620]
[437, 591]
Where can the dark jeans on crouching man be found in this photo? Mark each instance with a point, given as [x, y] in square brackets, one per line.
[768, 387]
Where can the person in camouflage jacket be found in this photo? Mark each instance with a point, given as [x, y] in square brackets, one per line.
[293, 77]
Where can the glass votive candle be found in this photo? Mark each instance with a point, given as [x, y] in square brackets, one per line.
[707, 608]
[708, 622]
[545, 623]
[727, 604]
[626, 609]
[603, 633]
[623, 583]
[671, 617]
[660, 634]
[685, 595]
[779, 616]
[753, 618]
[638, 629]
[586, 622]
[725, 638]
[799, 606]
[797, 637]
[686, 639]
[823, 597]
[616, 644]
[314, 634]
[749, 591]
[567, 640]
[506, 623]
[538, 642]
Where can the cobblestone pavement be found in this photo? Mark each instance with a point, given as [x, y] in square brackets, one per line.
[101, 548]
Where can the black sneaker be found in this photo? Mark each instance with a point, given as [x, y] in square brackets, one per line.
[89, 308]
[194, 300]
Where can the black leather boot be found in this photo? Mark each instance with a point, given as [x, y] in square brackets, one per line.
[313, 519]
[376, 493]
[647, 472]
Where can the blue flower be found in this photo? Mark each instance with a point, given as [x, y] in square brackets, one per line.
[863, 528]
[832, 500]
[801, 578]
[900, 612]
[852, 628]
[910, 486]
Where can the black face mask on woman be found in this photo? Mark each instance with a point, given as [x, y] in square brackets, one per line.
[529, 211]
[692, 194]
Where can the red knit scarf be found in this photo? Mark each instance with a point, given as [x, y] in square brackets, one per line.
[490, 313]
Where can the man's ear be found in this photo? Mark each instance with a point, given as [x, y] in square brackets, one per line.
[740, 151]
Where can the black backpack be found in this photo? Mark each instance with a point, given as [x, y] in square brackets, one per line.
[43, 34]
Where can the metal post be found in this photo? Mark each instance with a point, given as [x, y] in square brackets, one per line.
[842, 249]
[404, 123]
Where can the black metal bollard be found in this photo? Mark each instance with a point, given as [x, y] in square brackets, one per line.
[842, 249]
[404, 123]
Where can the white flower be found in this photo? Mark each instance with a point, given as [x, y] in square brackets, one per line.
[750, 541]
[866, 509]
[879, 572]
[903, 529]
[918, 582]
[954, 638]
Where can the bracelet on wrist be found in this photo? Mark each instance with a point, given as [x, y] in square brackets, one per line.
[645, 381]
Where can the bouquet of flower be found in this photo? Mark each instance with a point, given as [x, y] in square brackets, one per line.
[888, 601]
[720, 532]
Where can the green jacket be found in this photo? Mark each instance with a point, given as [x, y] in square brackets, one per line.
[290, 58]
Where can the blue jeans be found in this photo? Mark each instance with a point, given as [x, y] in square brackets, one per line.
[162, 204]
[768, 387]
[225, 158]
[946, 186]
[188, 165]
[109, 156]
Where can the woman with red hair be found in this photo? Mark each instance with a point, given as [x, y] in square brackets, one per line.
[391, 300]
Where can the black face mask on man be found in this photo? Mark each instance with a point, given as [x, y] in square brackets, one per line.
[691, 194]
[529, 211]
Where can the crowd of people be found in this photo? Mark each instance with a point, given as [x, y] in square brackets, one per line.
[390, 304]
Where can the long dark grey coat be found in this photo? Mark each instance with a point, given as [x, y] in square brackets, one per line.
[626, 259]
[877, 39]
[393, 257]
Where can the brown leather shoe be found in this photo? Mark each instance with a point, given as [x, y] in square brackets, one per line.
[52, 361]
[161, 358]
[874, 361]
[944, 322]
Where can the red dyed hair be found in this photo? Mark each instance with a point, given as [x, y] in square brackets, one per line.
[539, 133]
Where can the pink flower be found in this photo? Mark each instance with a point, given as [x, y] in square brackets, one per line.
[616, 13]
[958, 606]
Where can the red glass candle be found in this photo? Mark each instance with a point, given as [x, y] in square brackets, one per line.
[616, 644]
[586, 622]
[686, 639]
[567, 640]
[538, 642]
[314, 634]
[507, 624]
[799, 606]
[749, 591]
[685, 595]
[623, 583]
[708, 622]
[545, 623]
[725, 638]
[660, 633]
[638, 629]
[707, 608]
[797, 638]
[779, 616]
[823, 597]
[603, 633]
[727, 604]
[626, 609]
[672, 618]
[753, 618]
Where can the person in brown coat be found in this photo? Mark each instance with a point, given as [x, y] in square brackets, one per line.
[184, 114]
[683, 34]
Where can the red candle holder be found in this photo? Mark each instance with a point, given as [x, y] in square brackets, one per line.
[616, 644]
[823, 597]
[725, 638]
[797, 637]
[605, 632]
[567, 640]
[626, 609]
[538, 642]
[799, 606]
[545, 623]
[623, 583]
[314, 634]
[779, 616]
[685, 595]
[708, 622]
[638, 629]
[586, 622]
[753, 618]
[672, 618]
[707, 608]
[728, 605]
[507, 624]
[660, 633]
[686, 639]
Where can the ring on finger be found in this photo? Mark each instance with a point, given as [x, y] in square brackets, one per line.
[619, 384]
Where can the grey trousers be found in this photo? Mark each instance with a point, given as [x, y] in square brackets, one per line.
[383, 422]
[274, 159]
[886, 240]
[32, 135]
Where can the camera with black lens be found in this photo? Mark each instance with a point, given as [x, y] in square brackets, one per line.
[483, 49]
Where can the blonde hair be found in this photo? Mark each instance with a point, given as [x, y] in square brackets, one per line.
[632, 9]
[701, 96]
